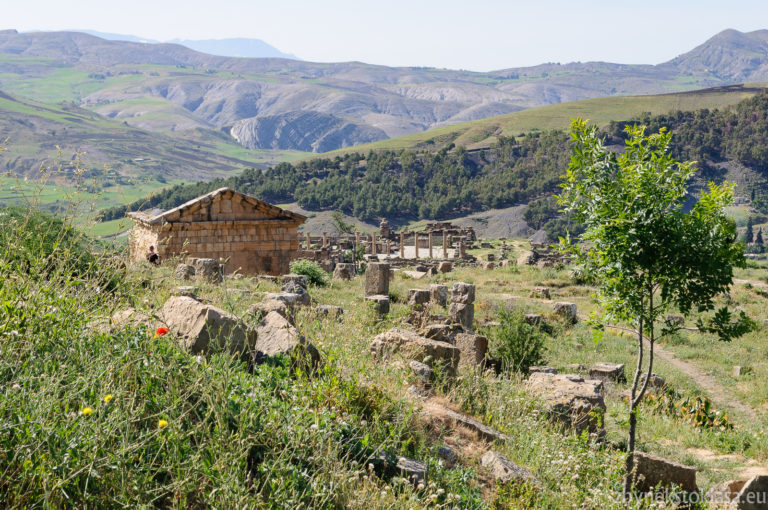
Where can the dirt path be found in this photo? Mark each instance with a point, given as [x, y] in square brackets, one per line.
[711, 388]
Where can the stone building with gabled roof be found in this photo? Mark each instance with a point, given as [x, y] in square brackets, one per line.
[254, 236]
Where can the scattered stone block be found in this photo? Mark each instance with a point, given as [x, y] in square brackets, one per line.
[608, 372]
[377, 279]
[570, 400]
[380, 304]
[577, 368]
[676, 321]
[277, 337]
[343, 271]
[390, 465]
[651, 472]
[445, 267]
[186, 290]
[533, 319]
[463, 314]
[270, 305]
[753, 495]
[267, 278]
[329, 311]
[208, 270]
[504, 470]
[184, 271]
[540, 292]
[463, 293]
[438, 294]
[740, 371]
[421, 370]
[415, 275]
[415, 347]
[200, 328]
[291, 280]
[448, 456]
[441, 332]
[568, 311]
[489, 266]
[490, 257]
[655, 381]
[453, 418]
[292, 299]
[542, 370]
[418, 296]
[473, 349]
[726, 492]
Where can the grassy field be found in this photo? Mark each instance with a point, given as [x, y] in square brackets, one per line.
[480, 133]
[114, 416]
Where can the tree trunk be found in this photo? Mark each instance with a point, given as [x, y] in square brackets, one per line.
[634, 400]
[630, 461]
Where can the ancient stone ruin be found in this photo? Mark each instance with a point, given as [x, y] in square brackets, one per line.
[253, 236]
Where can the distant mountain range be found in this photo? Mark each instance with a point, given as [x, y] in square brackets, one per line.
[279, 103]
[241, 47]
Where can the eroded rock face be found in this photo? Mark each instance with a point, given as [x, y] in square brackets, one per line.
[571, 400]
[651, 472]
[463, 314]
[463, 293]
[201, 328]
[445, 267]
[277, 336]
[415, 347]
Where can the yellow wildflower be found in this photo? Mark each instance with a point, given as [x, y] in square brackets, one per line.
[107, 398]
[86, 411]
[162, 424]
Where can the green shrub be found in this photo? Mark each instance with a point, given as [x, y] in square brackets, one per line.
[517, 344]
[312, 270]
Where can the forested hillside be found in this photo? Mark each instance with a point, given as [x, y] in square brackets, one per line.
[449, 183]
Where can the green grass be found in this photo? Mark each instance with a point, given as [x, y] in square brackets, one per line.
[112, 416]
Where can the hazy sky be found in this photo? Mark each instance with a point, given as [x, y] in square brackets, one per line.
[472, 34]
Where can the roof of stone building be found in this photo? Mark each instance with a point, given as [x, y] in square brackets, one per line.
[174, 214]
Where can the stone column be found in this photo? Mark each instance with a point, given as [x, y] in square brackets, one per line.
[430, 245]
[416, 244]
[374, 249]
[402, 245]
[325, 240]
[462, 250]
[309, 242]
[389, 247]
[462, 309]
[445, 244]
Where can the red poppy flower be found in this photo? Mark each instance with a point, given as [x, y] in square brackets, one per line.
[161, 331]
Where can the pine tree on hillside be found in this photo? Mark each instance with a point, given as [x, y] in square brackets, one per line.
[759, 245]
[749, 236]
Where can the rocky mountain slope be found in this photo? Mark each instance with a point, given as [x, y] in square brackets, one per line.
[320, 106]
